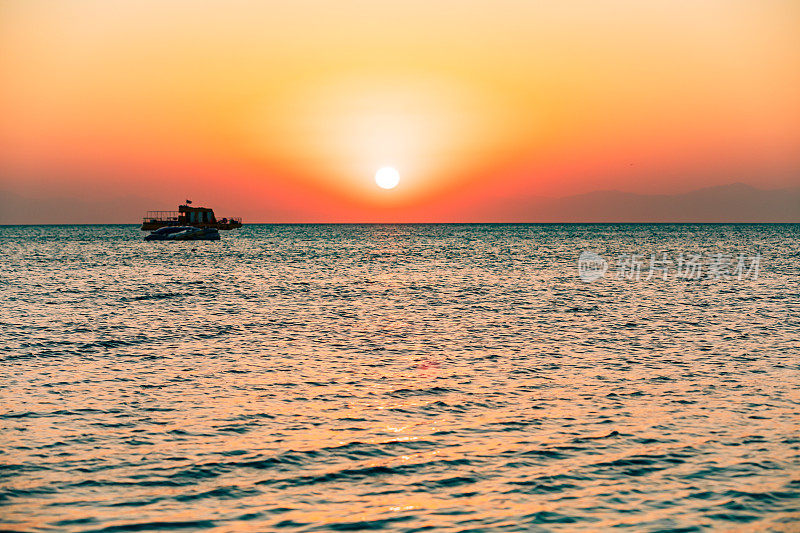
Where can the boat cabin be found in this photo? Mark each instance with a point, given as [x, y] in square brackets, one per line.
[194, 215]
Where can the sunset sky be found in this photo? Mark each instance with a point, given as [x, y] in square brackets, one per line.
[284, 111]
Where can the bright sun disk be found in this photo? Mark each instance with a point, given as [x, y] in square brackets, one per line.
[387, 178]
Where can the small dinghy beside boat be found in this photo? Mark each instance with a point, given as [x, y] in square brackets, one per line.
[183, 233]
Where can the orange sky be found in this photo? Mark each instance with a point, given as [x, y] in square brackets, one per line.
[286, 109]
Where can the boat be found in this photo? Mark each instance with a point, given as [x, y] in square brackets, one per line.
[183, 233]
[186, 215]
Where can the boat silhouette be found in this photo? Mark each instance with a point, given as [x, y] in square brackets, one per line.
[186, 215]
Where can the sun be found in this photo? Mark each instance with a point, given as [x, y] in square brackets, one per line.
[387, 178]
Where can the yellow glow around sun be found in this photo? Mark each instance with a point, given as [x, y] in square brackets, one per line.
[340, 130]
[387, 178]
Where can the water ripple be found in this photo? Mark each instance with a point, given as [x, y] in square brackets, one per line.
[402, 378]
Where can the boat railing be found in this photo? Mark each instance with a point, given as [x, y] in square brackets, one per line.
[175, 216]
[161, 216]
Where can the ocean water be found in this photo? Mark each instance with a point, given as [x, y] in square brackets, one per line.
[399, 377]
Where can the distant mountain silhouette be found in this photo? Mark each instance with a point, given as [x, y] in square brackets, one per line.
[736, 202]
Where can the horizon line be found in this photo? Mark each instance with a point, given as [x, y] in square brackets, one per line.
[425, 223]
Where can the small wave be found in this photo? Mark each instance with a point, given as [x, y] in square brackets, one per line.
[367, 525]
[220, 493]
[155, 526]
[359, 474]
[404, 393]
[153, 296]
[613, 433]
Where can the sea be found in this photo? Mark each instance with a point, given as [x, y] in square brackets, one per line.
[453, 378]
